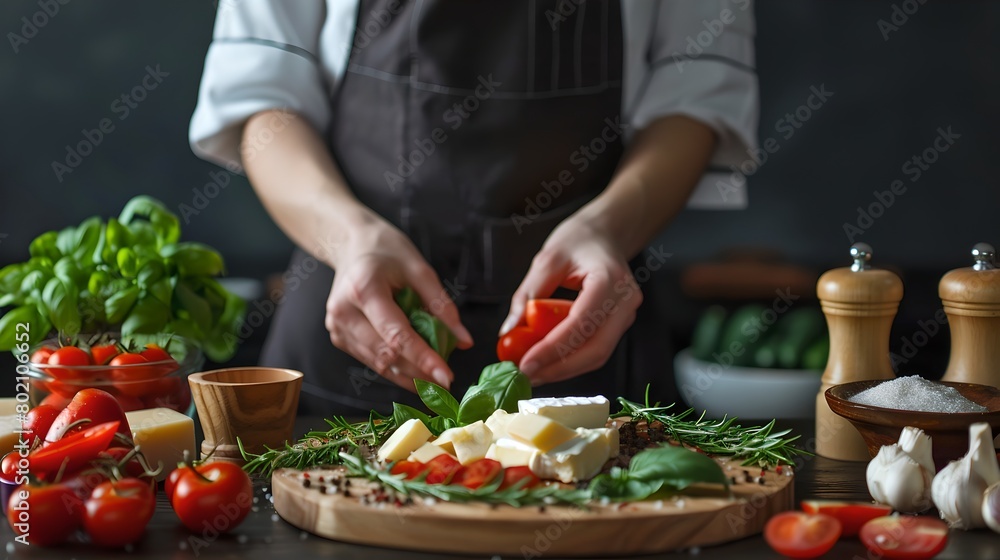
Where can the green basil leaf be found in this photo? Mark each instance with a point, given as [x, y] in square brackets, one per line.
[675, 466]
[401, 413]
[87, 236]
[8, 325]
[434, 332]
[66, 241]
[164, 223]
[476, 405]
[196, 306]
[506, 383]
[194, 259]
[620, 488]
[408, 300]
[117, 236]
[61, 303]
[438, 424]
[34, 282]
[128, 264]
[150, 272]
[498, 371]
[70, 273]
[162, 290]
[222, 342]
[437, 398]
[11, 276]
[143, 234]
[120, 303]
[98, 282]
[45, 246]
[149, 315]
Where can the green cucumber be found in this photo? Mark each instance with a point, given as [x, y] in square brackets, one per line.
[816, 354]
[707, 332]
[766, 355]
[801, 327]
[743, 333]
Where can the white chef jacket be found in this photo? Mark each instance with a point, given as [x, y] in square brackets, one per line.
[682, 57]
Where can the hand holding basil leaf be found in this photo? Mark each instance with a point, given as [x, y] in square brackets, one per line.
[430, 328]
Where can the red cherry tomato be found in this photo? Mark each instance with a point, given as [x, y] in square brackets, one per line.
[94, 404]
[477, 473]
[103, 353]
[117, 512]
[69, 356]
[134, 379]
[852, 515]
[72, 452]
[542, 315]
[412, 469]
[513, 475]
[515, 344]
[441, 469]
[801, 535]
[170, 392]
[41, 356]
[913, 538]
[48, 514]
[9, 465]
[56, 401]
[216, 495]
[38, 421]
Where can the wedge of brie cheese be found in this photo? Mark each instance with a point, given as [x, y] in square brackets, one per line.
[579, 458]
[572, 412]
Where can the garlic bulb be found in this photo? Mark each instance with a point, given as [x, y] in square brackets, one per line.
[959, 488]
[991, 507]
[900, 475]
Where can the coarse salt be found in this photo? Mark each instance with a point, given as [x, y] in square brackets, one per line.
[917, 394]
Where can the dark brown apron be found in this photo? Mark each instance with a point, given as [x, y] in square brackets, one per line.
[475, 127]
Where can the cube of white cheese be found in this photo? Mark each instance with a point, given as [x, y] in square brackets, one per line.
[538, 431]
[446, 440]
[572, 412]
[426, 452]
[472, 442]
[407, 438]
[497, 423]
[580, 458]
[610, 435]
[163, 435]
[511, 453]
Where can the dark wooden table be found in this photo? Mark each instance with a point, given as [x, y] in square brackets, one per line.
[266, 536]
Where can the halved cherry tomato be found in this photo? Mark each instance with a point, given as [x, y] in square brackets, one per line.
[48, 514]
[216, 496]
[441, 469]
[852, 515]
[118, 511]
[412, 469]
[75, 451]
[103, 353]
[93, 404]
[477, 473]
[515, 344]
[542, 315]
[802, 535]
[913, 538]
[513, 475]
[38, 421]
[69, 356]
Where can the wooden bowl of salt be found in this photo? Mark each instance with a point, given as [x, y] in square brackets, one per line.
[880, 409]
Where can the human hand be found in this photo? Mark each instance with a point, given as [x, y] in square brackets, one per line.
[364, 319]
[580, 257]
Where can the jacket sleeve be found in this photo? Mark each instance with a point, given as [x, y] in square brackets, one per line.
[700, 63]
[265, 54]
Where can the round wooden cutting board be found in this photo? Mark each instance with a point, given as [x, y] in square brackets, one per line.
[602, 530]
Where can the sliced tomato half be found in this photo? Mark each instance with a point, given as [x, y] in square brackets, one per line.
[802, 535]
[477, 473]
[852, 515]
[905, 537]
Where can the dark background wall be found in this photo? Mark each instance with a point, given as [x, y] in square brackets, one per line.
[891, 94]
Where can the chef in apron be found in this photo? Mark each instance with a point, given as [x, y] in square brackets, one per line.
[482, 153]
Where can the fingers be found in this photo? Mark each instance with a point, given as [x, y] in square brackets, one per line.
[547, 272]
[434, 297]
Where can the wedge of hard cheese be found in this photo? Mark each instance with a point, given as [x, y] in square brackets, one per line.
[163, 435]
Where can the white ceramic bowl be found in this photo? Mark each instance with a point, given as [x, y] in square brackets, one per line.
[746, 392]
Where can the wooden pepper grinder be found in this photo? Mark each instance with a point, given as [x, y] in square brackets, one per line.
[860, 303]
[971, 299]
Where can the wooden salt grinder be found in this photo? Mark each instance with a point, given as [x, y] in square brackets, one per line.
[971, 299]
[860, 303]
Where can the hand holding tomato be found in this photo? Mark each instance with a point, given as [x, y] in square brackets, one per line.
[540, 317]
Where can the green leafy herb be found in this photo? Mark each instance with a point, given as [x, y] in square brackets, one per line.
[131, 274]
[756, 445]
[437, 398]
[430, 328]
[500, 386]
[658, 470]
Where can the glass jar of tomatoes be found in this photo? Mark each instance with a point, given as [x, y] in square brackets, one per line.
[139, 374]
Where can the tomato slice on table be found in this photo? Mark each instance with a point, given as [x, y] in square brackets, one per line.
[477, 473]
[515, 344]
[412, 469]
[802, 535]
[74, 450]
[852, 515]
[513, 475]
[542, 315]
[441, 469]
[905, 537]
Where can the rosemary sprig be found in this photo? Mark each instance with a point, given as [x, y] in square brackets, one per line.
[323, 447]
[488, 494]
[756, 445]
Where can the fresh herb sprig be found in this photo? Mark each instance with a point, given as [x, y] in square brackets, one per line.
[318, 448]
[756, 445]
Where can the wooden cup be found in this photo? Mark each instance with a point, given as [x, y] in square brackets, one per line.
[255, 404]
